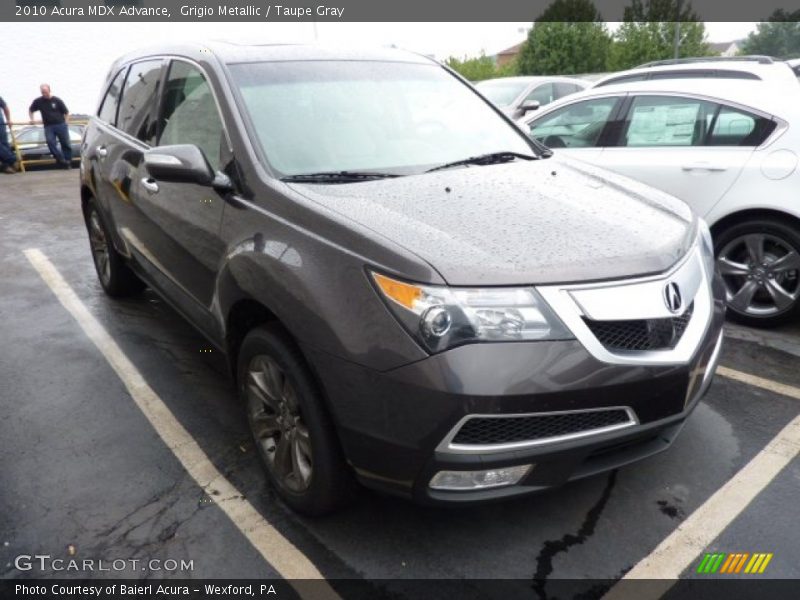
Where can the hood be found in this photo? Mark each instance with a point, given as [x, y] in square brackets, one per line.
[527, 222]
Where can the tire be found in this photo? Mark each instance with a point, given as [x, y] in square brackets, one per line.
[291, 429]
[115, 276]
[759, 261]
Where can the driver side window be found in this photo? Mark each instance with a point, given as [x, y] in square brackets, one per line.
[577, 125]
[189, 113]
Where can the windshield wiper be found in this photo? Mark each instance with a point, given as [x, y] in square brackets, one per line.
[337, 177]
[492, 158]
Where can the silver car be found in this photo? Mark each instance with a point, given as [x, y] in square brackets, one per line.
[515, 96]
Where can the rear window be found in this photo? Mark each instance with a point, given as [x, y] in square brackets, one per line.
[108, 108]
[138, 100]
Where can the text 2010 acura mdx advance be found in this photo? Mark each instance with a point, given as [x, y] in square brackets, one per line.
[408, 289]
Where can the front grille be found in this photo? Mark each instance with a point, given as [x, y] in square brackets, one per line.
[507, 430]
[641, 334]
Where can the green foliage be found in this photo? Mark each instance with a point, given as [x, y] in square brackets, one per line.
[474, 69]
[648, 33]
[569, 37]
[779, 36]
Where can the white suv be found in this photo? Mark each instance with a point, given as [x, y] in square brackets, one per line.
[726, 146]
[748, 68]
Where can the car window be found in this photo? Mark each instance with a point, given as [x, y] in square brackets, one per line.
[331, 115]
[108, 108]
[565, 89]
[667, 121]
[544, 93]
[577, 125]
[138, 98]
[734, 127]
[31, 136]
[189, 113]
[501, 92]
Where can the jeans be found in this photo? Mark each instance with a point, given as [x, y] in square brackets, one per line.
[61, 133]
[7, 156]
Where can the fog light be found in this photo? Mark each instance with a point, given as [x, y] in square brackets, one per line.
[476, 480]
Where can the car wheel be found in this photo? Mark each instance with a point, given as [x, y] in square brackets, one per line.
[291, 428]
[115, 276]
[760, 264]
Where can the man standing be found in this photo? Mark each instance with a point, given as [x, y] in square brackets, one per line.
[7, 157]
[54, 115]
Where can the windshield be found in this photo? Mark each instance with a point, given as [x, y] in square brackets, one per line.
[502, 93]
[330, 116]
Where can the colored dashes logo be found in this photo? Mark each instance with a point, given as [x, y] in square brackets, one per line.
[736, 563]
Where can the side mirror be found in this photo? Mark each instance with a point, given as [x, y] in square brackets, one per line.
[529, 105]
[182, 163]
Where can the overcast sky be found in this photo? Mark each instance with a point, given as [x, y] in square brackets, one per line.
[74, 57]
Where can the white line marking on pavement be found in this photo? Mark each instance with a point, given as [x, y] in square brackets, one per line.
[756, 381]
[691, 538]
[279, 552]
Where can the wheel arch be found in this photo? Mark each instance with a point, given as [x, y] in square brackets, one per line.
[752, 214]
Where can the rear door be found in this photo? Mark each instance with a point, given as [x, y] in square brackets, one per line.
[690, 147]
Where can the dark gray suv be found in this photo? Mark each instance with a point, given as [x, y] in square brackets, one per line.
[410, 292]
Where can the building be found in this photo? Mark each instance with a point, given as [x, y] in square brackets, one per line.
[504, 57]
[726, 48]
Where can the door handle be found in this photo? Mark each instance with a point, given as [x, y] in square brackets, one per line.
[703, 166]
[150, 185]
[101, 151]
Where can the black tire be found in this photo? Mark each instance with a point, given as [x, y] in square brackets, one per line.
[769, 306]
[330, 484]
[115, 276]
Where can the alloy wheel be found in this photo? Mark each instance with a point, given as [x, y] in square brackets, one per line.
[278, 427]
[761, 274]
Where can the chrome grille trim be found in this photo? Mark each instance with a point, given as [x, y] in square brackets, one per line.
[447, 445]
[639, 298]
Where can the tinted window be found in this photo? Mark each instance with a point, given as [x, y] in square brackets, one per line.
[189, 113]
[667, 121]
[138, 99]
[544, 93]
[108, 109]
[734, 127]
[575, 126]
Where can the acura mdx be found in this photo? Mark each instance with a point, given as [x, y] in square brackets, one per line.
[410, 292]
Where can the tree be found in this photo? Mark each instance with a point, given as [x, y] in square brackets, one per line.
[648, 33]
[779, 36]
[473, 69]
[569, 37]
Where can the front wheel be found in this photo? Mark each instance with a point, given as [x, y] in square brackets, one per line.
[759, 262]
[291, 429]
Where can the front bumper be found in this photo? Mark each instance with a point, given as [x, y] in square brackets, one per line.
[392, 424]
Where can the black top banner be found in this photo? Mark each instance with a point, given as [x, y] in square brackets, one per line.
[364, 10]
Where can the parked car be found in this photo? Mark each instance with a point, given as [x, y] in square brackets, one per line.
[408, 289]
[747, 68]
[517, 96]
[728, 148]
[33, 146]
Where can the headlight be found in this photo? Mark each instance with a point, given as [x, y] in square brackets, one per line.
[443, 317]
[706, 246]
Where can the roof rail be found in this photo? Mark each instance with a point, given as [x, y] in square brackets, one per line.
[760, 59]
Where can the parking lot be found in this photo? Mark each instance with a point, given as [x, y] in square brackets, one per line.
[126, 441]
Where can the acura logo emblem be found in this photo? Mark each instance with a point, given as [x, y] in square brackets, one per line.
[672, 297]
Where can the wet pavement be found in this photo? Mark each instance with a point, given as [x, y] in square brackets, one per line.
[84, 474]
